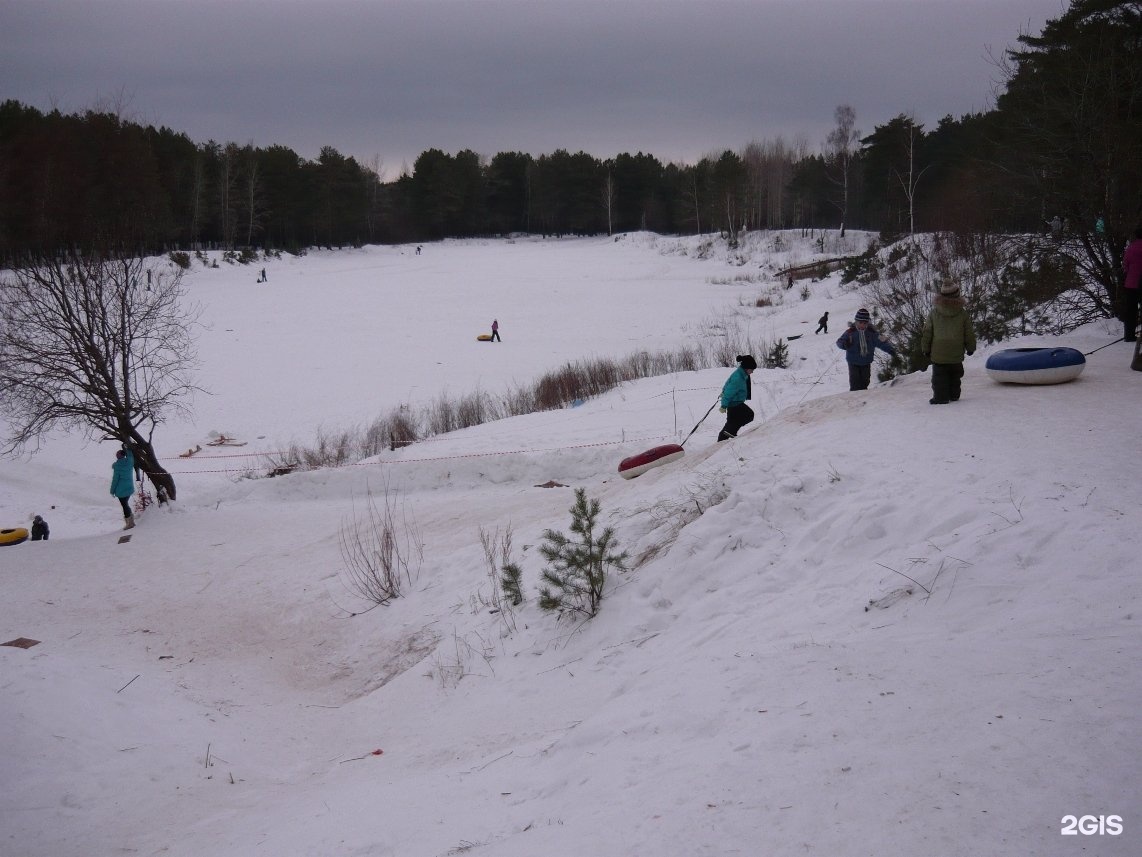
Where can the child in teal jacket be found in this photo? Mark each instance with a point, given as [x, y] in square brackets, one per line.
[735, 392]
[123, 483]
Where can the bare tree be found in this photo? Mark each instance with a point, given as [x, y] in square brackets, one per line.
[908, 183]
[609, 201]
[840, 146]
[197, 192]
[227, 182]
[769, 169]
[253, 193]
[693, 197]
[374, 182]
[96, 342]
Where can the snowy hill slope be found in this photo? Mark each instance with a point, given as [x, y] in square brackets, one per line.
[866, 626]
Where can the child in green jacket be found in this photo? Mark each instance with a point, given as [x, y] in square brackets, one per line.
[948, 335]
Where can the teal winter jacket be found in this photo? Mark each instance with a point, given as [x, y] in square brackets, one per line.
[737, 389]
[122, 476]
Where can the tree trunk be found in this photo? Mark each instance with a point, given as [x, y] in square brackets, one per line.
[147, 462]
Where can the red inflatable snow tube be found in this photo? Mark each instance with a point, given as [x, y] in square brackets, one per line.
[636, 465]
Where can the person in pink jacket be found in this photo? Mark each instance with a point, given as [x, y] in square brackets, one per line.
[1132, 286]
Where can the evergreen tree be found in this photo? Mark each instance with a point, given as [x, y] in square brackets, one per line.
[511, 576]
[778, 356]
[574, 583]
[1072, 113]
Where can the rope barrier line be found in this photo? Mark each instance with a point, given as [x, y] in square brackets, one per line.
[197, 472]
[451, 457]
[520, 451]
[212, 457]
[681, 390]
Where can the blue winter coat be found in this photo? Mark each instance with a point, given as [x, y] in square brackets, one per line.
[123, 476]
[736, 389]
[858, 352]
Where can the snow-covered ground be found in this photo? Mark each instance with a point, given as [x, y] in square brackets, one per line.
[868, 626]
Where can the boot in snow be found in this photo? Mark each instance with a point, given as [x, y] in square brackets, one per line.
[129, 523]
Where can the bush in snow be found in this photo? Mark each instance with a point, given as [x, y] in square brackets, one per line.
[503, 574]
[382, 550]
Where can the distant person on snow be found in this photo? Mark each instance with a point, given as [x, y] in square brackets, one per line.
[948, 335]
[39, 529]
[735, 392]
[822, 324]
[496, 330]
[859, 343]
[1132, 287]
[122, 483]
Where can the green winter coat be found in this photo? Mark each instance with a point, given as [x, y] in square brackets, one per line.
[948, 332]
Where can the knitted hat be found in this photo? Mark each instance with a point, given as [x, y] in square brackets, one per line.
[747, 361]
[862, 315]
[950, 290]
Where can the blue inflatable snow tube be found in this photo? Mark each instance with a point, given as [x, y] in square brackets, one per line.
[1035, 365]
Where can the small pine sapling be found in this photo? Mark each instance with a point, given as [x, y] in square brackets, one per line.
[578, 573]
[778, 356]
[510, 576]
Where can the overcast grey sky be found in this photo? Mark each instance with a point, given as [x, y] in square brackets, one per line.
[390, 78]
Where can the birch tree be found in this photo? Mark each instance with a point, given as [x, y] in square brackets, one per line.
[840, 146]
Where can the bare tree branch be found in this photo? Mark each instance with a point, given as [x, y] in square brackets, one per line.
[96, 342]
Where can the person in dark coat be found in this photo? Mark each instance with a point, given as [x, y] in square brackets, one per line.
[123, 484]
[1131, 287]
[735, 392]
[822, 324]
[39, 529]
[859, 343]
[496, 330]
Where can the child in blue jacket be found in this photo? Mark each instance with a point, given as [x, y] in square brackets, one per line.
[858, 343]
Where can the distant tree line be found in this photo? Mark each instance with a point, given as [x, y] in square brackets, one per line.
[89, 177]
[1063, 141]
